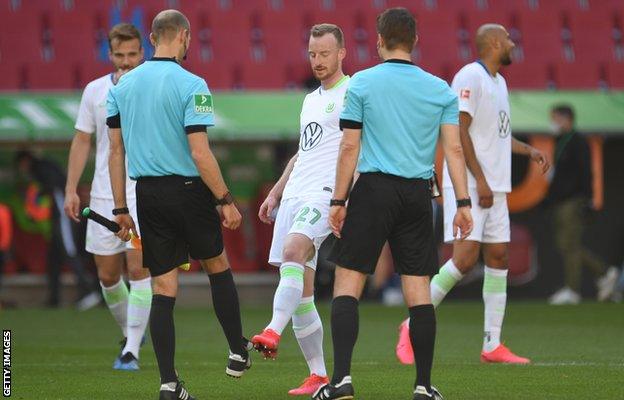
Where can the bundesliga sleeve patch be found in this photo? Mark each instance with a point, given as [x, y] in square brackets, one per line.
[464, 94]
[203, 104]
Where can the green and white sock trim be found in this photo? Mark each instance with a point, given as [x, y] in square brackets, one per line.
[291, 275]
[115, 294]
[305, 308]
[116, 298]
[444, 281]
[494, 280]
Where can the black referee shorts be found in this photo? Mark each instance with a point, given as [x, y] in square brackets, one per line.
[177, 216]
[389, 208]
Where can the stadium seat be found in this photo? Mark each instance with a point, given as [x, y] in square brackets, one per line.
[527, 75]
[615, 75]
[580, 75]
[73, 36]
[594, 47]
[11, 73]
[76, 35]
[57, 76]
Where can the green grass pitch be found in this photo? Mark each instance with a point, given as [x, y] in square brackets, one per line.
[577, 352]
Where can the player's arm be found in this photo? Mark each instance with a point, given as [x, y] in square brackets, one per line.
[345, 169]
[278, 188]
[454, 154]
[209, 170]
[117, 168]
[519, 147]
[274, 196]
[486, 197]
[117, 172]
[78, 155]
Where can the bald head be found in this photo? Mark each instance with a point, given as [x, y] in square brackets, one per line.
[167, 24]
[492, 41]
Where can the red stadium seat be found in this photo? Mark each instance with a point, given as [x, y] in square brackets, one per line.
[580, 75]
[221, 49]
[615, 75]
[51, 76]
[527, 75]
[596, 46]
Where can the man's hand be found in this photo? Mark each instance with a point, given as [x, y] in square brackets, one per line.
[231, 217]
[541, 159]
[486, 197]
[72, 206]
[127, 226]
[266, 209]
[337, 215]
[462, 223]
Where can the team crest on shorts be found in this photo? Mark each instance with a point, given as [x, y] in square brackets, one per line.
[464, 94]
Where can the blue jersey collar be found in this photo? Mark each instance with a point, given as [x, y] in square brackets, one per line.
[481, 63]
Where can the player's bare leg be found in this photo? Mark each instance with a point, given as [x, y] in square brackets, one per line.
[496, 260]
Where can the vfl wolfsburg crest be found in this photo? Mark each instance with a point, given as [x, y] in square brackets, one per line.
[203, 104]
[330, 107]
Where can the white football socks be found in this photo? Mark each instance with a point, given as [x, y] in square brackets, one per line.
[139, 306]
[287, 296]
[309, 333]
[116, 298]
[495, 300]
[444, 281]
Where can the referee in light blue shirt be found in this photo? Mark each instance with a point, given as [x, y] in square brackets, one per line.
[393, 116]
[158, 114]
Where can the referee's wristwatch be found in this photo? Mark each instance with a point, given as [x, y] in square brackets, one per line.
[464, 203]
[225, 200]
[121, 210]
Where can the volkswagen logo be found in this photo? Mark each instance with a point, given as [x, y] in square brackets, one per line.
[311, 136]
[503, 124]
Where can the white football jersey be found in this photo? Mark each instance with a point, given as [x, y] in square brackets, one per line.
[486, 99]
[314, 172]
[92, 119]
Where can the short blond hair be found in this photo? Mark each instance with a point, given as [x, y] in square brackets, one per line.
[323, 29]
[123, 32]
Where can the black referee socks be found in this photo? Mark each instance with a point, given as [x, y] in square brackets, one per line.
[422, 328]
[226, 306]
[163, 336]
[345, 324]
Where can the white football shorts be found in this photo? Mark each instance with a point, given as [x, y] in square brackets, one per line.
[101, 241]
[491, 225]
[306, 216]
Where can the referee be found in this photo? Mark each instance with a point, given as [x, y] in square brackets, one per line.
[159, 113]
[394, 112]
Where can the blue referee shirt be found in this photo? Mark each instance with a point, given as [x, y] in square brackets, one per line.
[156, 105]
[399, 108]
